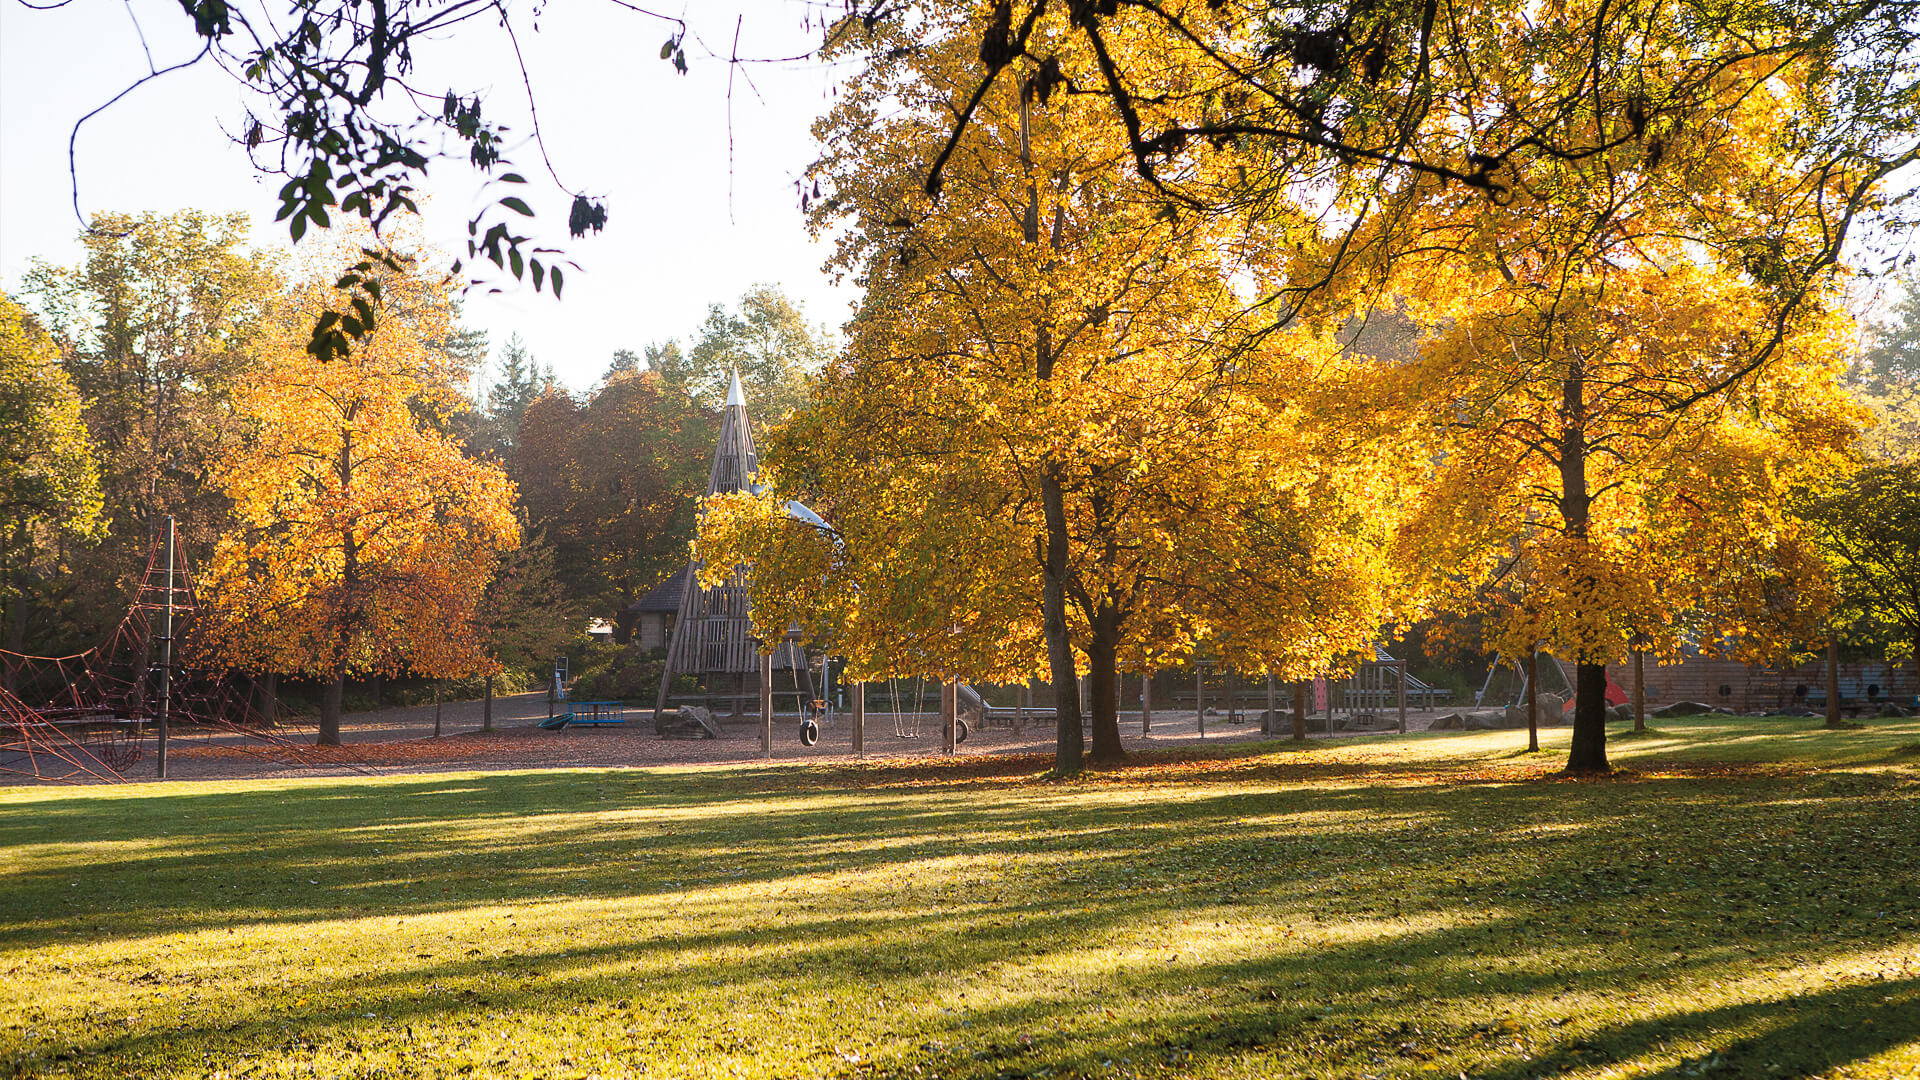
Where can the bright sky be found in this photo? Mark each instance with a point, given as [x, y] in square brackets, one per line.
[684, 230]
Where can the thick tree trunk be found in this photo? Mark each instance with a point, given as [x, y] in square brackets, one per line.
[1589, 720]
[266, 699]
[486, 710]
[330, 711]
[1300, 711]
[1589, 752]
[1069, 754]
[1103, 688]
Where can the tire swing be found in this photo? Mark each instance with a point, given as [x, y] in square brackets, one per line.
[809, 732]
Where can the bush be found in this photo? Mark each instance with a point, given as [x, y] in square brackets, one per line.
[628, 674]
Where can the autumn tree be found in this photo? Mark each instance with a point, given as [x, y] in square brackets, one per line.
[1630, 363]
[364, 538]
[612, 482]
[766, 338]
[1051, 446]
[1867, 523]
[49, 485]
[158, 326]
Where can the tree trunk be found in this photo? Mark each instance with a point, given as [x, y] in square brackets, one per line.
[330, 711]
[1639, 690]
[486, 710]
[1300, 711]
[1533, 701]
[1589, 720]
[1102, 688]
[266, 699]
[1069, 754]
[436, 708]
[1146, 699]
[1273, 708]
[1833, 685]
[1589, 750]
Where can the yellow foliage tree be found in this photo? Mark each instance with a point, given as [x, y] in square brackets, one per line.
[1054, 444]
[1626, 371]
[364, 537]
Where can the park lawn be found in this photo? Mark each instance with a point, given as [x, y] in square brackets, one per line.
[1743, 902]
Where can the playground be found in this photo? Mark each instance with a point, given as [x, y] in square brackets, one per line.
[1736, 902]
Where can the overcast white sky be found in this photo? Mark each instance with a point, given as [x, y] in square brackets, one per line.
[683, 230]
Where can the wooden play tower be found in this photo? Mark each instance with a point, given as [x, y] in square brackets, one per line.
[712, 638]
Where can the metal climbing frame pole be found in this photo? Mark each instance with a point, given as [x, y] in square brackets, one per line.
[166, 658]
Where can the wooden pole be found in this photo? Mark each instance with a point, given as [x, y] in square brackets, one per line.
[949, 715]
[1639, 690]
[1146, 701]
[1402, 664]
[1199, 698]
[859, 719]
[1533, 700]
[1273, 705]
[766, 704]
[1832, 685]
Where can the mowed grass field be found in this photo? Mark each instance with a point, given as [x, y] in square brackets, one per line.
[1743, 902]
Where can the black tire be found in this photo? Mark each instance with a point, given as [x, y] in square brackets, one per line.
[959, 731]
[809, 733]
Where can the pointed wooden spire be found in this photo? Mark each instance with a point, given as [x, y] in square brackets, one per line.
[711, 634]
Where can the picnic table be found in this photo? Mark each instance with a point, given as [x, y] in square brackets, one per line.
[588, 714]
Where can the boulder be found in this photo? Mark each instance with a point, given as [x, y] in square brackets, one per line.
[1682, 708]
[1888, 708]
[1450, 722]
[1553, 710]
[1495, 720]
[687, 722]
[1622, 713]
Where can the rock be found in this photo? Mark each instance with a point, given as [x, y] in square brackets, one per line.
[1888, 708]
[1553, 710]
[1489, 721]
[1682, 708]
[1622, 713]
[1449, 722]
[687, 722]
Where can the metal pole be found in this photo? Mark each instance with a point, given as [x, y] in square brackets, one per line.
[166, 656]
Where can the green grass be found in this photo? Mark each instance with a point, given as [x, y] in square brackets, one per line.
[1741, 904]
